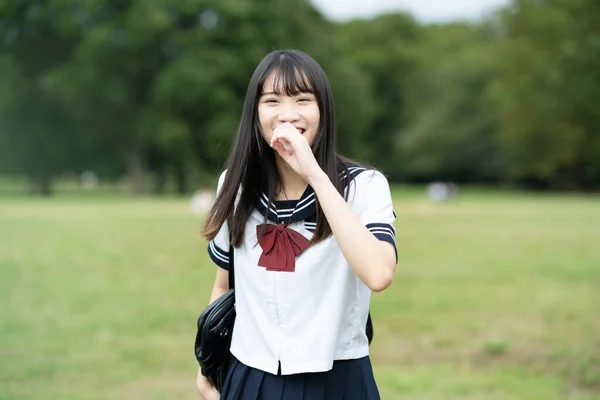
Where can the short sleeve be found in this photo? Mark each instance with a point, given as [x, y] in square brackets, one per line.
[218, 248]
[371, 200]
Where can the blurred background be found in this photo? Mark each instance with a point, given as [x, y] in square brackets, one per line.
[116, 117]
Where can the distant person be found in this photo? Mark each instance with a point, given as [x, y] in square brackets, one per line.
[312, 235]
[438, 192]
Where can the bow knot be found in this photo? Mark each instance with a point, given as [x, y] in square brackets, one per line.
[281, 245]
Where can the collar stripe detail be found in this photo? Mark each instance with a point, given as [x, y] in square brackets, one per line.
[305, 208]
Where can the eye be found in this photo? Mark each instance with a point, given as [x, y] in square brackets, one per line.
[304, 99]
[272, 101]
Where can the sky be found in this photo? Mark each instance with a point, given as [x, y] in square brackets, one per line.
[423, 10]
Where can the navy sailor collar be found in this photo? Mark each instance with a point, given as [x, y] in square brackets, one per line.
[290, 211]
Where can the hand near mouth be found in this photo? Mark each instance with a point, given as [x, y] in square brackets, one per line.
[292, 146]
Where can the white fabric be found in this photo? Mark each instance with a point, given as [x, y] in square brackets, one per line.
[308, 318]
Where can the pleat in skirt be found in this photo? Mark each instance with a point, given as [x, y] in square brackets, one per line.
[347, 380]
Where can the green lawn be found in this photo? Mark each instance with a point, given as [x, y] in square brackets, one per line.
[496, 296]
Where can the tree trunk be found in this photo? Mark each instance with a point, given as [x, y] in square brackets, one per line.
[135, 171]
[181, 179]
[46, 188]
[160, 181]
[41, 185]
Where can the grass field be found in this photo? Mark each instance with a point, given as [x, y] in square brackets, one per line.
[496, 296]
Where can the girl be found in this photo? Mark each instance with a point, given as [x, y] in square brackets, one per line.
[312, 235]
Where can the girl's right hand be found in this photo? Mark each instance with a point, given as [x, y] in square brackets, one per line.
[206, 389]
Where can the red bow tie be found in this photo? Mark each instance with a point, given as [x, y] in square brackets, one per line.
[281, 245]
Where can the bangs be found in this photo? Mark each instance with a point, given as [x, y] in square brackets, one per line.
[288, 79]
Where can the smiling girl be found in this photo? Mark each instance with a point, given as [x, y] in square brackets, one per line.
[312, 236]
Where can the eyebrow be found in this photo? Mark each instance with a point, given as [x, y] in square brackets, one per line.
[277, 94]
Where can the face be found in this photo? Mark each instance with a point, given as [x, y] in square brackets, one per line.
[276, 108]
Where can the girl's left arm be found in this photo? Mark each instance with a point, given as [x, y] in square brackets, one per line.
[373, 260]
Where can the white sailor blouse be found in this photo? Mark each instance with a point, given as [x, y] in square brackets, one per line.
[302, 314]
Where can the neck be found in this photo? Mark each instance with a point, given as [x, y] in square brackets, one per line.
[292, 186]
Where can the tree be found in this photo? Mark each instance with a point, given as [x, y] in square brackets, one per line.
[383, 51]
[546, 91]
[36, 133]
[452, 124]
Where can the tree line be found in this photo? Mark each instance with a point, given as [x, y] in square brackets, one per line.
[154, 88]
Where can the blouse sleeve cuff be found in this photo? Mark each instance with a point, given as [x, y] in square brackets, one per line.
[385, 233]
[218, 255]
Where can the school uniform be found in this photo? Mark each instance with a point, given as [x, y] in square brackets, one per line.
[300, 326]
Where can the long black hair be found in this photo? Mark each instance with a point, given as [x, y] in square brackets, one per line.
[251, 164]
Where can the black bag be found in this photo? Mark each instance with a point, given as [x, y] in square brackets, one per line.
[369, 328]
[213, 339]
[215, 327]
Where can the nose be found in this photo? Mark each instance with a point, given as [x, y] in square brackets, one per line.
[288, 114]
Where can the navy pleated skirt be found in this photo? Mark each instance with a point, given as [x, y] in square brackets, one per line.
[347, 380]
